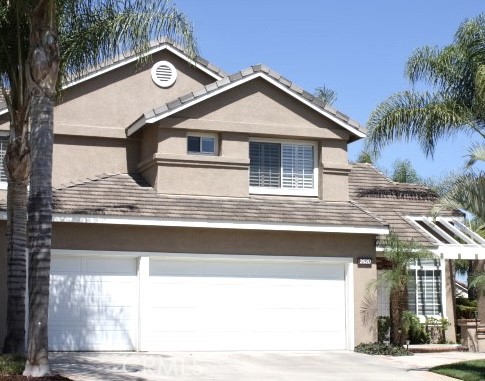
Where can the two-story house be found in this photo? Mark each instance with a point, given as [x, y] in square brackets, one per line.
[195, 210]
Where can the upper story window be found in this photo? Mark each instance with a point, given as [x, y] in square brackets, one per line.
[202, 144]
[283, 167]
[3, 150]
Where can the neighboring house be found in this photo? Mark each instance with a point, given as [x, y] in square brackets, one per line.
[461, 289]
[199, 211]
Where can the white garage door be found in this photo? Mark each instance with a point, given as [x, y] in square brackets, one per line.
[93, 303]
[227, 304]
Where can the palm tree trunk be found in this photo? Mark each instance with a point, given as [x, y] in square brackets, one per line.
[44, 66]
[398, 304]
[16, 267]
[40, 233]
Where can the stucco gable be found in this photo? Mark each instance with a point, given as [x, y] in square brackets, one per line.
[129, 59]
[112, 99]
[259, 73]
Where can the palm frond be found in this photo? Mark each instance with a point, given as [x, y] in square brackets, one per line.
[400, 254]
[478, 281]
[467, 192]
[446, 69]
[95, 32]
[326, 95]
[424, 116]
[475, 153]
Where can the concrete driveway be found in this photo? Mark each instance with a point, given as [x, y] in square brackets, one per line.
[250, 366]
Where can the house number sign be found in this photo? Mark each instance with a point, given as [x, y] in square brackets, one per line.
[364, 262]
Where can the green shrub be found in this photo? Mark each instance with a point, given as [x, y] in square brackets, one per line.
[413, 329]
[383, 325]
[460, 300]
[382, 349]
[436, 328]
[10, 364]
[465, 308]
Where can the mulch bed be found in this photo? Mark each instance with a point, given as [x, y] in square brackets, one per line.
[24, 378]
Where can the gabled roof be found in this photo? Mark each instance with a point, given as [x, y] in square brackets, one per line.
[239, 78]
[128, 199]
[112, 64]
[408, 209]
[393, 201]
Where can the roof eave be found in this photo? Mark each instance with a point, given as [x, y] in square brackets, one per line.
[354, 131]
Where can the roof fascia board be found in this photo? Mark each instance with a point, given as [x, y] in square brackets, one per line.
[134, 58]
[147, 221]
[264, 76]
[460, 252]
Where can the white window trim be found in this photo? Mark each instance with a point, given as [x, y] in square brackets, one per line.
[3, 184]
[441, 268]
[287, 191]
[203, 135]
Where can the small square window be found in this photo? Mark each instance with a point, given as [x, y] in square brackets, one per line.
[201, 144]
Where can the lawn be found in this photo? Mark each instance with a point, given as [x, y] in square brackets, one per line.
[467, 370]
[11, 368]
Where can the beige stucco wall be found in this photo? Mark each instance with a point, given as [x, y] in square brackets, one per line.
[253, 110]
[118, 98]
[78, 157]
[3, 283]
[222, 241]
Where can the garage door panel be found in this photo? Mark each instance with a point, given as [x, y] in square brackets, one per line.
[246, 305]
[217, 319]
[93, 303]
[97, 340]
[105, 266]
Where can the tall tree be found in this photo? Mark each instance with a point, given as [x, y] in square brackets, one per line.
[87, 33]
[404, 172]
[43, 69]
[14, 32]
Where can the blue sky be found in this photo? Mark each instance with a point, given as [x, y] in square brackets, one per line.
[357, 48]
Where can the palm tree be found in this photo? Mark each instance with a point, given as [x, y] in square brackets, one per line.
[399, 255]
[457, 74]
[326, 95]
[72, 36]
[14, 30]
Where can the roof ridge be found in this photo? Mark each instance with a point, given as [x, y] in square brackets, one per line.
[368, 212]
[88, 179]
[234, 78]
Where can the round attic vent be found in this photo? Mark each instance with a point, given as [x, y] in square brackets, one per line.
[164, 74]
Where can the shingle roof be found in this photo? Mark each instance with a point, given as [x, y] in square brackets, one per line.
[130, 196]
[393, 201]
[229, 82]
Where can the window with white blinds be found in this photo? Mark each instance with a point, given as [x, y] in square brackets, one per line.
[424, 290]
[3, 149]
[285, 166]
